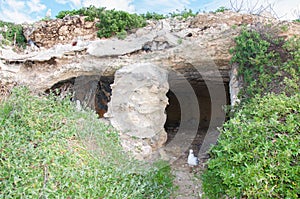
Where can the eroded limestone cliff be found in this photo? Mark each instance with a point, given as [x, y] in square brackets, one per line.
[195, 50]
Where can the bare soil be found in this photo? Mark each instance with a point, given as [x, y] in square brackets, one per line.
[187, 178]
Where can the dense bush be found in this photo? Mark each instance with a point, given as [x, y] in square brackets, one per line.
[13, 33]
[258, 152]
[51, 150]
[264, 60]
[114, 22]
[257, 155]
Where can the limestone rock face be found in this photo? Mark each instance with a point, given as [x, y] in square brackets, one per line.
[138, 102]
[49, 33]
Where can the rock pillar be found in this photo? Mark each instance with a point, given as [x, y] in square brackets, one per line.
[137, 107]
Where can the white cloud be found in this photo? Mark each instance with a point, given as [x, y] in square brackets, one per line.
[125, 5]
[35, 6]
[284, 9]
[14, 4]
[14, 11]
[15, 16]
[164, 6]
[73, 3]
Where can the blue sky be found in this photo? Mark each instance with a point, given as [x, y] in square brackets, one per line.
[32, 10]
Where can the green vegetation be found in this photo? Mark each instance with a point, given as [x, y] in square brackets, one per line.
[46, 18]
[179, 41]
[257, 155]
[12, 34]
[116, 23]
[51, 150]
[184, 14]
[221, 9]
[153, 16]
[265, 60]
[91, 12]
[111, 23]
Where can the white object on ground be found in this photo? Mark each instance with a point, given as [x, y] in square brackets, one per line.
[192, 159]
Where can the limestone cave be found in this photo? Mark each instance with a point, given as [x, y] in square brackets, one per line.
[178, 112]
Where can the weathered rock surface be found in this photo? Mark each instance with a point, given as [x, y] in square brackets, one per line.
[211, 38]
[138, 103]
[50, 33]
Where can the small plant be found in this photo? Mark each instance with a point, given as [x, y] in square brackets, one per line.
[184, 14]
[234, 27]
[153, 16]
[284, 28]
[179, 41]
[122, 35]
[46, 19]
[221, 9]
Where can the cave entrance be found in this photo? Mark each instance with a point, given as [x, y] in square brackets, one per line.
[211, 116]
[91, 91]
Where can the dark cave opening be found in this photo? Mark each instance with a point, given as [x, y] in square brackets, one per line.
[91, 91]
[174, 111]
[103, 95]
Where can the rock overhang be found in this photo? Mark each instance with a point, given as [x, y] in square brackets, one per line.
[202, 57]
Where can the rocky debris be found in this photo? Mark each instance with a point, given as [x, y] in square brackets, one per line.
[49, 33]
[206, 21]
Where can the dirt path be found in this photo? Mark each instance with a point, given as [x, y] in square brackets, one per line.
[187, 178]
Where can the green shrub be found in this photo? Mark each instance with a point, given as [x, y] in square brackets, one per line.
[257, 155]
[14, 33]
[113, 22]
[51, 150]
[264, 60]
